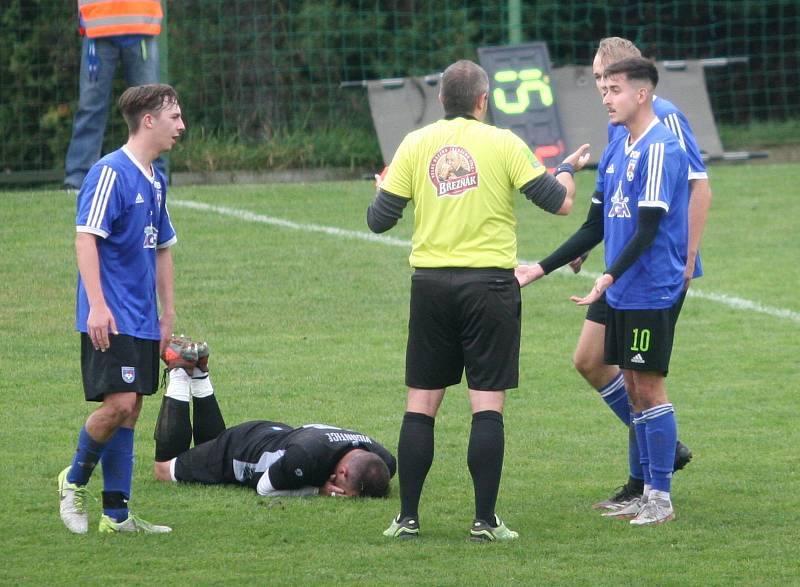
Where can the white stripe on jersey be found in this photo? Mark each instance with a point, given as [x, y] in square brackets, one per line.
[100, 198]
[92, 210]
[673, 124]
[112, 178]
[655, 165]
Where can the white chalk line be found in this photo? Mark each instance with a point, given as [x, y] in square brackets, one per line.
[733, 302]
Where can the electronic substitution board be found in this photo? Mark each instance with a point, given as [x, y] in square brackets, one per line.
[521, 97]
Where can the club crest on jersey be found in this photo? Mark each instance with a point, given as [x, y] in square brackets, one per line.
[150, 237]
[452, 171]
[128, 374]
[634, 158]
[619, 204]
[157, 188]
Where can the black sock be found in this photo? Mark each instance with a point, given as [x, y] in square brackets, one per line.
[173, 432]
[208, 422]
[485, 461]
[414, 458]
[636, 484]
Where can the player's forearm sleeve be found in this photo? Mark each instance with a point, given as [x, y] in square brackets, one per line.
[302, 492]
[587, 236]
[546, 192]
[385, 211]
[646, 229]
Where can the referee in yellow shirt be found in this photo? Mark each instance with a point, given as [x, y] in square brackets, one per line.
[462, 175]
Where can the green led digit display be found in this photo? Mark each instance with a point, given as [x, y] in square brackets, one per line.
[531, 81]
[523, 97]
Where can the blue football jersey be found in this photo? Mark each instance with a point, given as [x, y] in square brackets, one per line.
[674, 119]
[651, 172]
[126, 208]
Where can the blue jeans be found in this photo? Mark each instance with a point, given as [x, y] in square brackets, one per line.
[90, 119]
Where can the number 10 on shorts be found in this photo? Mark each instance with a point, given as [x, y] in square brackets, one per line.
[641, 340]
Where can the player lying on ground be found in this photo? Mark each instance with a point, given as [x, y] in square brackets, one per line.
[273, 458]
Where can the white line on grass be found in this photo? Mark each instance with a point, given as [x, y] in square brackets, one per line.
[724, 299]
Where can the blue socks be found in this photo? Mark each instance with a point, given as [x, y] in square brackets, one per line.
[641, 441]
[117, 461]
[616, 397]
[614, 394]
[662, 434]
[86, 457]
[634, 462]
[657, 433]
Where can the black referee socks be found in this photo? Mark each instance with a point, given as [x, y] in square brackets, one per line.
[414, 459]
[485, 461]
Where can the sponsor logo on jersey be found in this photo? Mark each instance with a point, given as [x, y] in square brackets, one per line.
[150, 237]
[128, 374]
[619, 204]
[610, 169]
[535, 163]
[452, 171]
[139, 199]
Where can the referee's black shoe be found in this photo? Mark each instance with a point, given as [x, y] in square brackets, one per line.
[683, 456]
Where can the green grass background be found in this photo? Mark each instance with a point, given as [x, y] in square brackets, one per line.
[308, 327]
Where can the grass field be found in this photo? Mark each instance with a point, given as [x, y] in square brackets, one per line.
[309, 325]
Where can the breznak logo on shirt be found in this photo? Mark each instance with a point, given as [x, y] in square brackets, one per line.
[452, 171]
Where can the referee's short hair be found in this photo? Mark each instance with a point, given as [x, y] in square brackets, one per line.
[137, 101]
[463, 83]
[634, 68]
[369, 475]
[613, 49]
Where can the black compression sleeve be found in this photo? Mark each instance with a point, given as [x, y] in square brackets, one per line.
[587, 236]
[646, 229]
[546, 192]
[385, 211]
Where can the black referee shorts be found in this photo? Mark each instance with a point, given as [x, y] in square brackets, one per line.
[464, 320]
[641, 340]
[129, 365]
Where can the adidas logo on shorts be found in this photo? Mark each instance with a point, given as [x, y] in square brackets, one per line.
[637, 358]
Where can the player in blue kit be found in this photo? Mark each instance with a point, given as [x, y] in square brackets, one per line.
[642, 178]
[640, 210]
[123, 241]
[588, 356]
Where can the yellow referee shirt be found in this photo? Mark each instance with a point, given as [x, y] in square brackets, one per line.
[463, 176]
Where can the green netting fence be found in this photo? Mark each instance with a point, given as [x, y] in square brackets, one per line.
[252, 72]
